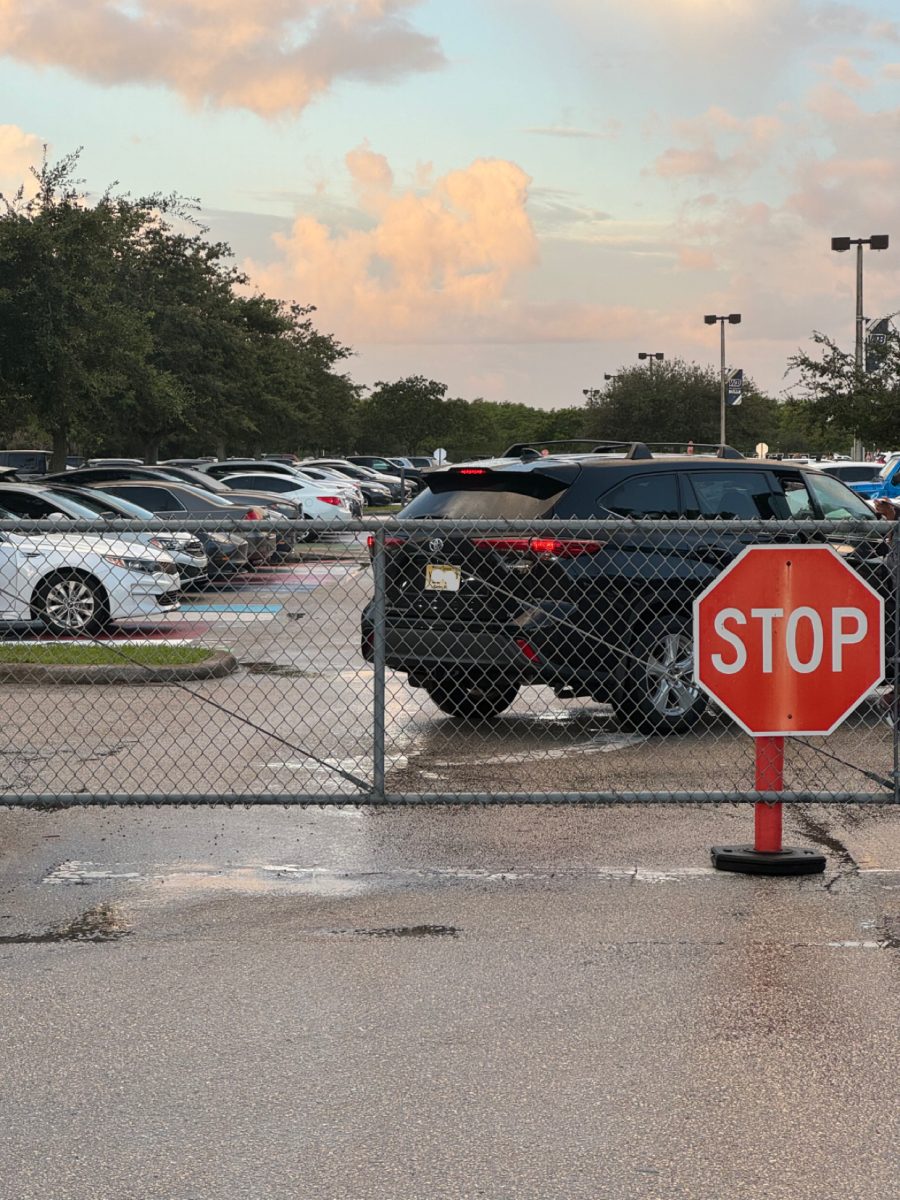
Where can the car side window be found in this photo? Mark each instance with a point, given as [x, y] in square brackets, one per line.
[271, 483]
[28, 506]
[650, 495]
[733, 495]
[155, 499]
[798, 499]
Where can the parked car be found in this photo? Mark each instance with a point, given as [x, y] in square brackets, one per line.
[26, 463]
[186, 462]
[77, 583]
[270, 507]
[115, 462]
[337, 484]
[610, 617]
[37, 502]
[263, 502]
[290, 459]
[851, 473]
[401, 468]
[399, 493]
[319, 504]
[228, 551]
[185, 549]
[885, 485]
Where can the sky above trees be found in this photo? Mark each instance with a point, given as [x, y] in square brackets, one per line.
[512, 196]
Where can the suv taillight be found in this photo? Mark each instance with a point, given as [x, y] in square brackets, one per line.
[390, 543]
[541, 547]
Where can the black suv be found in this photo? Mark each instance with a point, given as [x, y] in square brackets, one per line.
[472, 618]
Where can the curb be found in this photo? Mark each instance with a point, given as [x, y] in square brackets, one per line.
[219, 664]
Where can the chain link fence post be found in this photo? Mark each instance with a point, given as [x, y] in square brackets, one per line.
[378, 652]
[893, 606]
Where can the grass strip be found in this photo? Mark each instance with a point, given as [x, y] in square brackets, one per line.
[62, 654]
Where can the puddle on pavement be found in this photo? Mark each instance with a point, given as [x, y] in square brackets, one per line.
[197, 877]
[105, 923]
[284, 670]
[398, 931]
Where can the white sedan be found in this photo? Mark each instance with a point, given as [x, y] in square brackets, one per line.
[78, 583]
[319, 500]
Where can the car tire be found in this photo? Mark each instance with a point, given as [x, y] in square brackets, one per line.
[658, 694]
[69, 602]
[474, 696]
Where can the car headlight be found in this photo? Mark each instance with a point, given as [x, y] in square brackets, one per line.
[149, 566]
[162, 543]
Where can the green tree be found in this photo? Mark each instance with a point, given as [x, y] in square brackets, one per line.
[675, 403]
[403, 417]
[69, 343]
[839, 401]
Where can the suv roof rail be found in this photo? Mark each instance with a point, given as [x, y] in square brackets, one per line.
[720, 449]
[527, 451]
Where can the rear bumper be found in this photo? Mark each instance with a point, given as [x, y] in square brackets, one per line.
[541, 646]
[418, 649]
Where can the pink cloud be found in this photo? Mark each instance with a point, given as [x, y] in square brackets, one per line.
[434, 264]
[19, 151]
[693, 259]
[843, 72]
[719, 144]
[268, 56]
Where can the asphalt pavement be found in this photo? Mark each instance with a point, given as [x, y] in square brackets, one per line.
[455, 1003]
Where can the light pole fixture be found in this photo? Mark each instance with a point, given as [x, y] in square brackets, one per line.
[732, 319]
[591, 394]
[878, 241]
[646, 354]
[608, 377]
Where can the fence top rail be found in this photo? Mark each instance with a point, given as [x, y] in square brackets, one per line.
[434, 525]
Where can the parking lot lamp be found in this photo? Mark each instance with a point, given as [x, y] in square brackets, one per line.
[878, 241]
[732, 319]
[646, 354]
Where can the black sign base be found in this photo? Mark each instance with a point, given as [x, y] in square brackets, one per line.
[789, 861]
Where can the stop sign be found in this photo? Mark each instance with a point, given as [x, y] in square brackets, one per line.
[788, 640]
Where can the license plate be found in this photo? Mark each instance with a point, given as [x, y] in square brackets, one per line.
[441, 578]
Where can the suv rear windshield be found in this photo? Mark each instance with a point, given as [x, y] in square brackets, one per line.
[508, 495]
[34, 462]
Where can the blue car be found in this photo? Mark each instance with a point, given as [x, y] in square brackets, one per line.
[885, 484]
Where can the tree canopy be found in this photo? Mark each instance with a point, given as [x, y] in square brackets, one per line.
[125, 330]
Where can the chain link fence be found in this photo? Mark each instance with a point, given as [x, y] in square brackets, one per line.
[396, 662]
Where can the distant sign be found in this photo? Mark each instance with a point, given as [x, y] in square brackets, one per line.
[440, 457]
[877, 337]
[734, 388]
[761, 449]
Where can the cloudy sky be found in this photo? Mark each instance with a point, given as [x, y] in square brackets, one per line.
[513, 196]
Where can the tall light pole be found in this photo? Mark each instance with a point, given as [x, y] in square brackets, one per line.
[878, 241]
[732, 319]
[658, 354]
[591, 394]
